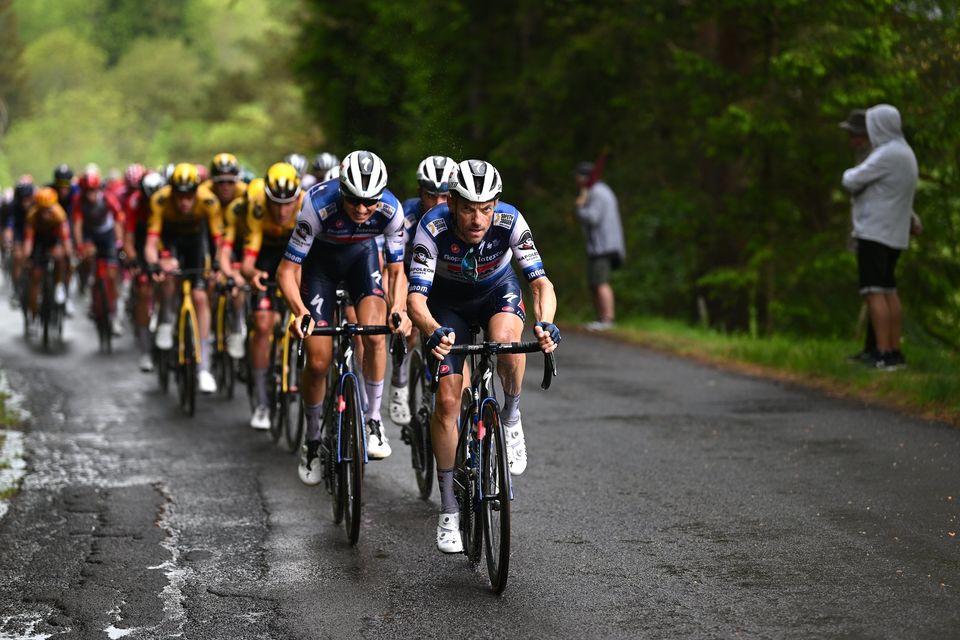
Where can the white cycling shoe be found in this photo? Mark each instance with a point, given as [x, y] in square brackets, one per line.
[146, 363]
[235, 346]
[516, 448]
[378, 446]
[206, 382]
[448, 533]
[60, 294]
[400, 405]
[117, 327]
[164, 339]
[261, 419]
[309, 469]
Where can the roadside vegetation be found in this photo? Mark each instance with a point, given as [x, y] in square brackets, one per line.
[8, 420]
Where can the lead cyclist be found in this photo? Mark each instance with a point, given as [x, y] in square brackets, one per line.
[460, 274]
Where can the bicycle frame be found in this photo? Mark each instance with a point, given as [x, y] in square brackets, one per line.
[186, 307]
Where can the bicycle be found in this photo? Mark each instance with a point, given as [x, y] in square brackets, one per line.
[51, 313]
[223, 365]
[343, 447]
[481, 476]
[186, 342]
[416, 433]
[102, 300]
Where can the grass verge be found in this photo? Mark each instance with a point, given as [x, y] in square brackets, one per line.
[928, 387]
[8, 420]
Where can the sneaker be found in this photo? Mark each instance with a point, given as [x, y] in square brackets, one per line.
[516, 448]
[206, 382]
[117, 327]
[60, 293]
[146, 363]
[448, 533]
[890, 361]
[378, 447]
[235, 346]
[260, 419]
[310, 470]
[400, 405]
[164, 339]
[599, 325]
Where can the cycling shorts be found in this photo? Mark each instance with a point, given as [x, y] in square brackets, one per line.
[269, 259]
[105, 242]
[191, 252]
[457, 309]
[42, 248]
[327, 265]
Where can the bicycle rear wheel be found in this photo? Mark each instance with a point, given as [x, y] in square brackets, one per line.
[163, 369]
[495, 503]
[101, 314]
[421, 451]
[351, 458]
[275, 395]
[188, 372]
[294, 419]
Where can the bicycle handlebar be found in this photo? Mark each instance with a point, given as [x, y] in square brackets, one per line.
[351, 329]
[495, 348]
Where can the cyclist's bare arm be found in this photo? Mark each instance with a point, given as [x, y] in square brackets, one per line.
[544, 299]
[396, 293]
[288, 279]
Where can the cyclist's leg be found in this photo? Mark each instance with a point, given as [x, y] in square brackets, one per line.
[319, 292]
[166, 292]
[35, 265]
[263, 324]
[505, 324]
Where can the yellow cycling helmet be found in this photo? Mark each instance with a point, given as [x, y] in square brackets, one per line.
[185, 178]
[282, 183]
[224, 166]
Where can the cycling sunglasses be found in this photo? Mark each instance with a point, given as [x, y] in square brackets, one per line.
[367, 202]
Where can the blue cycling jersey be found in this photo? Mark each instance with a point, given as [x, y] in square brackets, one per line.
[323, 218]
[439, 255]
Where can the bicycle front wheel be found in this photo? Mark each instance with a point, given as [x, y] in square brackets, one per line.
[495, 503]
[294, 419]
[421, 452]
[188, 370]
[351, 458]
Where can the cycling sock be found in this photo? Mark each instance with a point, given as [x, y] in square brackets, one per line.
[313, 413]
[510, 412]
[374, 396]
[260, 386]
[399, 376]
[144, 339]
[204, 364]
[448, 499]
[166, 313]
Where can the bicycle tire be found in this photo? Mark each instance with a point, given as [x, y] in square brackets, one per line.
[421, 451]
[275, 395]
[101, 314]
[188, 370]
[229, 376]
[351, 462]
[495, 506]
[294, 420]
[163, 369]
[471, 530]
[45, 306]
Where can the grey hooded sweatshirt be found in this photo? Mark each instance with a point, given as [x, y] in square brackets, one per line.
[600, 217]
[883, 185]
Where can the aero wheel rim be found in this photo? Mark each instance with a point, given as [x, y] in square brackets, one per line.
[496, 501]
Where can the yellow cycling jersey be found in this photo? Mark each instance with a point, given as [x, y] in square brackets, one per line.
[47, 223]
[238, 193]
[261, 227]
[165, 217]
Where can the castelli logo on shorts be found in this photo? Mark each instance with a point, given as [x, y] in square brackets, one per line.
[378, 292]
[455, 248]
[264, 304]
[323, 323]
[507, 309]
[444, 369]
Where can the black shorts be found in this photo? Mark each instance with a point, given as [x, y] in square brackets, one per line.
[327, 265]
[876, 264]
[459, 309]
[191, 252]
[105, 243]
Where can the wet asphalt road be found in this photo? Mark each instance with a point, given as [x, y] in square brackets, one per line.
[663, 500]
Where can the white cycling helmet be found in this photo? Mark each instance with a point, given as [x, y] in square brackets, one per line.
[363, 175]
[477, 181]
[332, 173]
[434, 173]
[325, 161]
[297, 161]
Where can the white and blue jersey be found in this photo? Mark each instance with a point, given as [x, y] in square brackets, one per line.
[437, 256]
[322, 219]
[412, 212]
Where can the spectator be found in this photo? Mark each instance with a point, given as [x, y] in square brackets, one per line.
[856, 127]
[883, 187]
[600, 216]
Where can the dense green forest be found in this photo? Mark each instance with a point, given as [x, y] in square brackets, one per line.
[719, 118]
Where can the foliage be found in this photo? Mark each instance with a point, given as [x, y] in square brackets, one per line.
[721, 120]
[121, 81]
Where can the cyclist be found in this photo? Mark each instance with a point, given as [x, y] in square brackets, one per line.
[14, 222]
[460, 274]
[226, 184]
[137, 209]
[334, 241]
[63, 183]
[98, 230]
[271, 208]
[433, 178]
[181, 215]
[46, 234]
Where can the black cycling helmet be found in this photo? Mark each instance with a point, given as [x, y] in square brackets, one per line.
[63, 173]
[24, 188]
